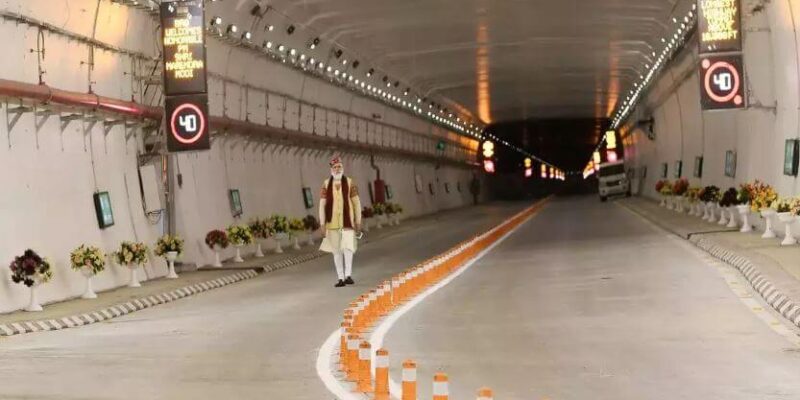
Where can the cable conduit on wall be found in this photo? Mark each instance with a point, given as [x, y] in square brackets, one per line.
[44, 94]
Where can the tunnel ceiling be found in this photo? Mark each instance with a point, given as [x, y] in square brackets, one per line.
[502, 60]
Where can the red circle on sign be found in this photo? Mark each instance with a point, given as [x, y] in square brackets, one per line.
[200, 116]
[733, 93]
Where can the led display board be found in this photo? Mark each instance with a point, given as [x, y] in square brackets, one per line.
[183, 38]
[719, 24]
[102, 208]
[187, 123]
[722, 82]
[790, 157]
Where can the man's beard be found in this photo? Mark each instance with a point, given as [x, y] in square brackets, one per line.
[337, 176]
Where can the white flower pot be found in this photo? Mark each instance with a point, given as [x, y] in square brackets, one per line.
[692, 209]
[259, 252]
[378, 222]
[33, 302]
[768, 215]
[663, 202]
[171, 256]
[88, 272]
[723, 216]
[134, 281]
[670, 203]
[217, 261]
[278, 238]
[732, 217]
[708, 212]
[295, 242]
[744, 211]
[788, 219]
[238, 257]
[365, 226]
[310, 238]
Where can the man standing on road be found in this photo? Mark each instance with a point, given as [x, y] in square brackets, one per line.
[340, 215]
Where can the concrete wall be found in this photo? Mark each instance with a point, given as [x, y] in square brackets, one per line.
[757, 134]
[49, 173]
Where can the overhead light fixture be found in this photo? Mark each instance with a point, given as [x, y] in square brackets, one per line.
[337, 53]
[216, 21]
[247, 36]
[290, 29]
[270, 28]
[370, 72]
[232, 29]
[356, 64]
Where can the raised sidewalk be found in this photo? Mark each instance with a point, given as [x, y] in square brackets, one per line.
[773, 270]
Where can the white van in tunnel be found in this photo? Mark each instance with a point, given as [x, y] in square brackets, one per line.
[613, 180]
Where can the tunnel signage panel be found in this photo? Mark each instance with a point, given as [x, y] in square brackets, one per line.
[187, 123]
[719, 24]
[183, 38]
[722, 82]
[790, 157]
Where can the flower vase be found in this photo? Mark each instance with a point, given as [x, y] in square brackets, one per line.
[295, 242]
[171, 256]
[692, 208]
[678, 204]
[744, 211]
[768, 214]
[365, 226]
[732, 217]
[238, 257]
[88, 273]
[788, 219]
[670, 203]
[708, 212]
[33, 302]
[723, 217]
[278, 248]
[311, 238]
[217, 261]
[663, 202]
[378, 222]
[259, 252]
[397, 219]
[134, 281]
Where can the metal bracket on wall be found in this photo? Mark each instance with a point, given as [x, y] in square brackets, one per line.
[13, 114]
[41, 117]
[109, 124]
[66, 119]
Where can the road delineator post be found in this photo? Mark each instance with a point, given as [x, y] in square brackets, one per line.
[351, 367]
[485, 393]
[409, 385]
[364, 368]
[382, 374]
[343, 344]
[440, 387]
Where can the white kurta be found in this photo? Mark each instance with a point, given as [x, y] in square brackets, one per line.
[338, 238]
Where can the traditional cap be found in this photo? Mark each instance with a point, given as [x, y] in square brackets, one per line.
[335, 161]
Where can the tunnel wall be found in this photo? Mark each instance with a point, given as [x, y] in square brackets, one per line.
[52, 170]
[757, 134]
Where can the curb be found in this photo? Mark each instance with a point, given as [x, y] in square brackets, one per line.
[779, 302]
[92, 317]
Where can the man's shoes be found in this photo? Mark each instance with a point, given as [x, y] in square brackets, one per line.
[339, 284]
[349, 281]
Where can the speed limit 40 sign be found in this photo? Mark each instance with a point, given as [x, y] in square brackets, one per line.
[722, 82]
[187, 123]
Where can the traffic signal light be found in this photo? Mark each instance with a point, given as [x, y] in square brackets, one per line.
[488, 149]
[528, 163]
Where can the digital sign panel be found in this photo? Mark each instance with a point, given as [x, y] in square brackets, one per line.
[719, 23]
[183, 38]
[187, 123]
[722, 82]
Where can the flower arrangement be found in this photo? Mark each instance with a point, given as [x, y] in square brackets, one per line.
[240, 235]
[260, 228]
[729, 198]
[660, 185]
[784, 205]
[131, 253]
[744, 194]
[168, 243]
[666, 189]
[379, 208]
[763, 196]
[680, 186]
[88, 256]
[693, 194]
[217, 238]
[709, 194]
[393, 208]
[280, 224]
[367, 212]
[311, 224]
[296, 225]
[30, 267]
